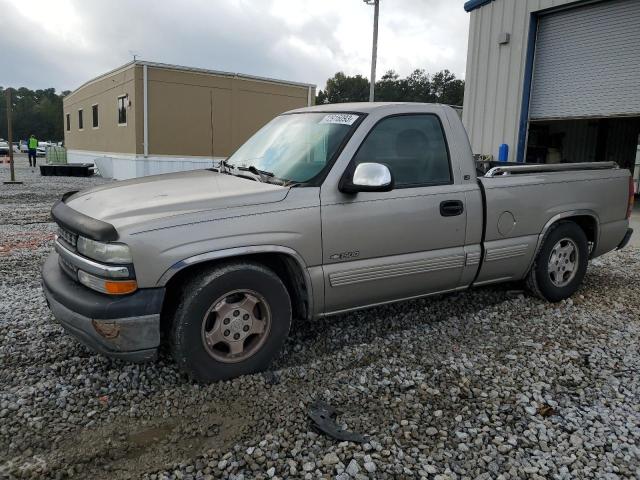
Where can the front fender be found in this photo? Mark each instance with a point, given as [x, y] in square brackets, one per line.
[241, 252]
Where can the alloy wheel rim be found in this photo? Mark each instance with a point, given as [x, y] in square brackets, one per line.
[563, 262]
[236, 326]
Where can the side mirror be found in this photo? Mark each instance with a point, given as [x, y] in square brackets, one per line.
[367, 177]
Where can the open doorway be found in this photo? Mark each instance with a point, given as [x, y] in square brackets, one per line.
[584, 140]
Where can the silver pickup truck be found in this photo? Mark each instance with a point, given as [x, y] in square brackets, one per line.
[324, 210]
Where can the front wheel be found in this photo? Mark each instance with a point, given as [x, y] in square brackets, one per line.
[561, 263]
[231, 320]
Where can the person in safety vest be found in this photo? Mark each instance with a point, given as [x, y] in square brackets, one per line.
[33, 145]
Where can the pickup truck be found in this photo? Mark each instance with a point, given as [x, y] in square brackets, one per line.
[324, 210]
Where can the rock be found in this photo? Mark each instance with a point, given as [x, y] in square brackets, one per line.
[576, 440]
[370, 467]
[330, 459]
[353, 468]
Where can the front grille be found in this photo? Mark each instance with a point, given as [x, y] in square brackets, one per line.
[69, 237]
[68, 268]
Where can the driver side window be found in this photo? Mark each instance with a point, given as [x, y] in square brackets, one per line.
[413, 147]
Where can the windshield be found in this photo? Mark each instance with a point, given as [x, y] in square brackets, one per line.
[295, 147]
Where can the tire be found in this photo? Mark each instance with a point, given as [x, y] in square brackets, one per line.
[231, 300]
[555, 278]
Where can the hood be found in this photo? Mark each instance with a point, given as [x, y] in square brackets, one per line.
[159, 196]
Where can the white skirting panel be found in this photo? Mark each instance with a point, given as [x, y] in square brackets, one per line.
[122, 166]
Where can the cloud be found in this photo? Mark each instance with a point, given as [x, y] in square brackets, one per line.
[66, 42]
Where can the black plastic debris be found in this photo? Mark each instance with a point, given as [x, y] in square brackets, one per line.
[324, 415]
[67, 170]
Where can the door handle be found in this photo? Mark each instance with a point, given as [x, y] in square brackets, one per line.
[451, 208]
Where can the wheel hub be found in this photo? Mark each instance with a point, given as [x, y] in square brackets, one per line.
[236, 325]
[563, 262]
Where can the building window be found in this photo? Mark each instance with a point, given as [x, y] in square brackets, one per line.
[122, 110]
[80, 124]
[68, 122]
[94, 113]
[412, 146]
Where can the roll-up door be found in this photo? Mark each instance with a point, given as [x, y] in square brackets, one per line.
[587, 62]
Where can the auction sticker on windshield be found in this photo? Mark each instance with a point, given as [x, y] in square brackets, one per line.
[340, 118]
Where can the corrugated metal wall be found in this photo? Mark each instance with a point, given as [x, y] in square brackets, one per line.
[586, 62]
[494, 75]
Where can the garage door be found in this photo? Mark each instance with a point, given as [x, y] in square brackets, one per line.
[587, 62]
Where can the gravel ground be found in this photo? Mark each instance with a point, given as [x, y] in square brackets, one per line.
[489, 383]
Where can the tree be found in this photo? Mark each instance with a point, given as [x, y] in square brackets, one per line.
[388, 88]
[321, 98]
[34, 111]
[419, 86]
[341, 89]
[447, 89]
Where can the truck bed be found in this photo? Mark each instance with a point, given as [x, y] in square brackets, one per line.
[522, 201]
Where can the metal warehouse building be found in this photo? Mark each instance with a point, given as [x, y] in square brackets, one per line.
[555, 80]
[145, 118]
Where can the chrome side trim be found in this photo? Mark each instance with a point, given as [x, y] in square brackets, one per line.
[241, 251]
[556, 167]
[473, 258]
[504, 253]
[368, 274]
[89, 266]
[372, 305]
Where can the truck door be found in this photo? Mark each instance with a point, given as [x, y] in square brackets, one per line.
[408, 242]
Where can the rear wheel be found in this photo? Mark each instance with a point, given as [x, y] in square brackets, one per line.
[561, 263]
[231, 320]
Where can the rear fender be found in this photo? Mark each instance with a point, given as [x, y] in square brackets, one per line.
[567, 216]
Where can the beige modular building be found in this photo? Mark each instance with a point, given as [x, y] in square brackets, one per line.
[146, 118]
[555, 80]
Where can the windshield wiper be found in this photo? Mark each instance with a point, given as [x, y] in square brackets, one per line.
[227, 168]
[262, 174]
[224, 167]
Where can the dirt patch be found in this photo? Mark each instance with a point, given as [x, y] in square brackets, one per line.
[129, 447]
[24, 241]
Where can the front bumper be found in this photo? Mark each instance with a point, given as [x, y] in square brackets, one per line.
[126, 327]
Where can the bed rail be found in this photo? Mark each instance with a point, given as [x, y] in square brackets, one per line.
[554, 167]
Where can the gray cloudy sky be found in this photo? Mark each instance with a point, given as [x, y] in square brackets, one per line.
[62, 43]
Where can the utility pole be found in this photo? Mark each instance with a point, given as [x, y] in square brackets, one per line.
[10, 137]
[374, 52]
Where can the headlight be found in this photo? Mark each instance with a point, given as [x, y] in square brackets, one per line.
[104, 252]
